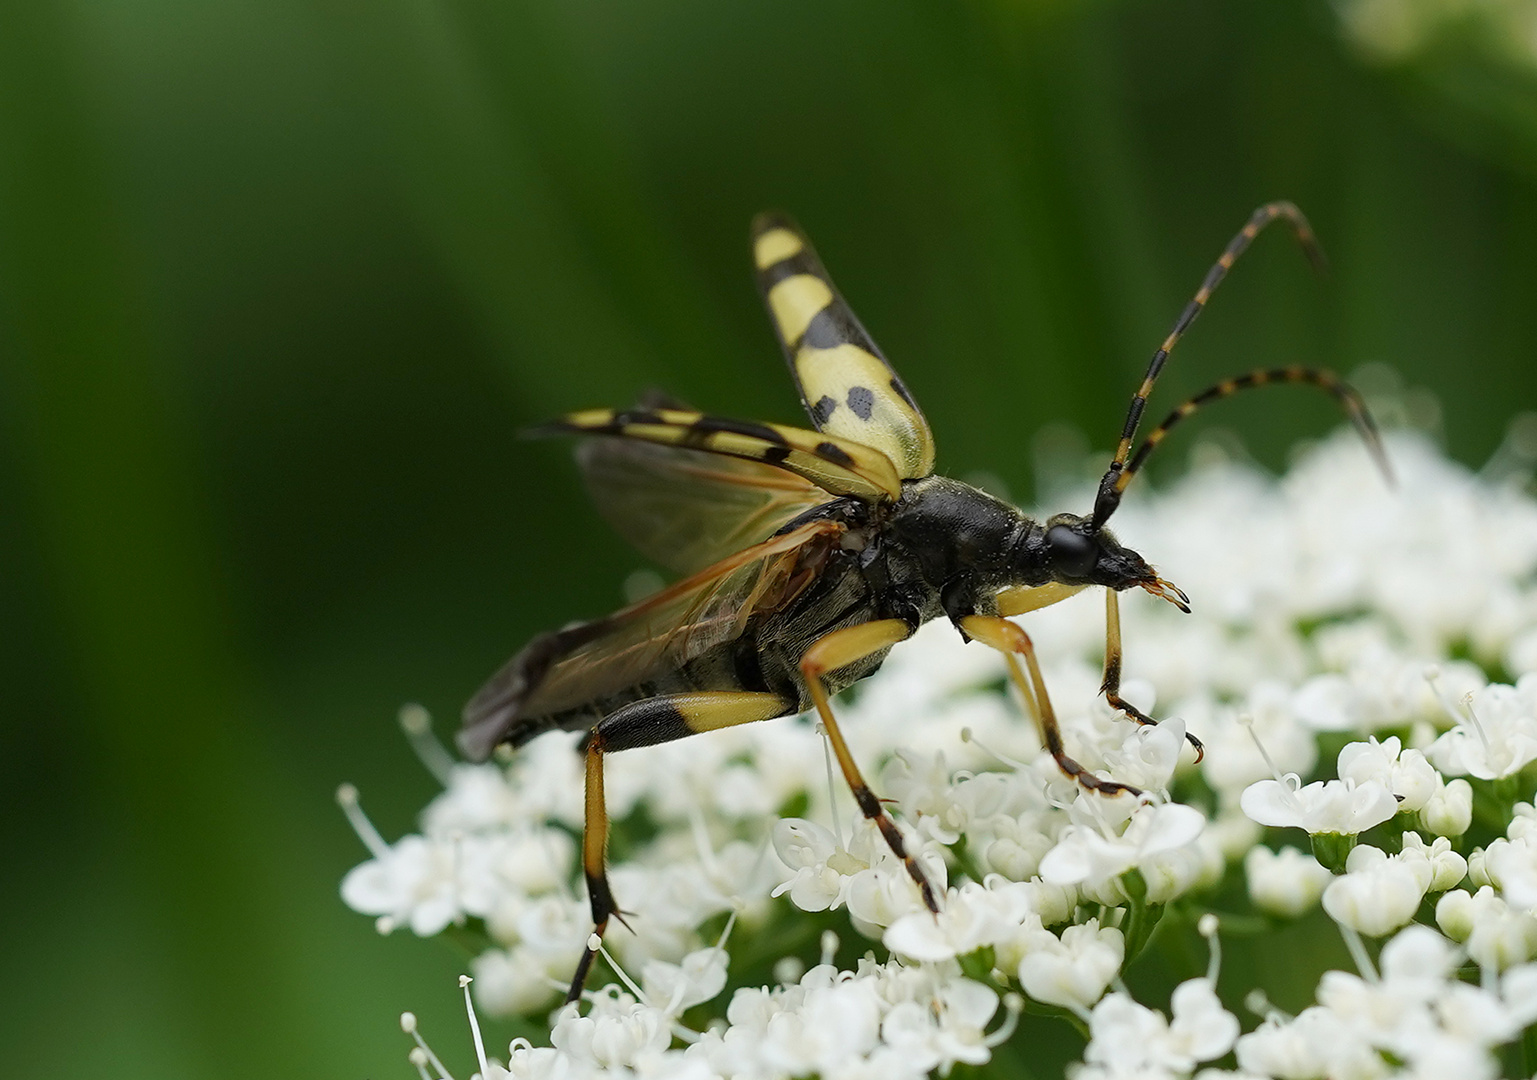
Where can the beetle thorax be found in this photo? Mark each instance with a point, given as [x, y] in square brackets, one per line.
[954, 531]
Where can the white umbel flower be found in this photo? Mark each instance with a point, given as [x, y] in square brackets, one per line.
[1127, 1039]
[1326, 605]
[1405, 773]
[1075, 969]
[1341, 807]
[619, 1031]
[1378, 893]
[1498, 736]
[971, 917]
[1495, 936]
[1091, 855]
[697, 978]
[1286, 882]
[1314, 1045]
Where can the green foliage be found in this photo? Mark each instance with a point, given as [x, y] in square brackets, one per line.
[279, 283]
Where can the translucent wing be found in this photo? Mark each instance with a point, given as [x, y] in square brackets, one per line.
[846, 384]
[685, 509]
[587, 662]
[837, 465]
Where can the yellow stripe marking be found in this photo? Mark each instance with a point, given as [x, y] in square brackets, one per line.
[834, 462]
[838, 369]
[795, 301]
[709, 711]
[775, 246]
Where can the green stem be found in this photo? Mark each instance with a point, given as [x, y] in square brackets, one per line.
[1142, 918]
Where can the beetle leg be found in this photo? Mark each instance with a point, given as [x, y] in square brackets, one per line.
[1013, 642]
[1111, 685]
[1022, 598]
[829, 653]
[646, 723]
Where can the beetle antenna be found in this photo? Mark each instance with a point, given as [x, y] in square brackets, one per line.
[1111, 486]
[1347, 395]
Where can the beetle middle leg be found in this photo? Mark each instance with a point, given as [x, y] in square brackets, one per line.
[1013, 642]
[646, 723]
[829, 653]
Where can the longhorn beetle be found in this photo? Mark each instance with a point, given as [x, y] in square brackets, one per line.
[809, 554]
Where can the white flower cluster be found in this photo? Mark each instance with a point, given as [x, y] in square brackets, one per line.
[885, 1021]
[1398, 628]
[1416, 1014]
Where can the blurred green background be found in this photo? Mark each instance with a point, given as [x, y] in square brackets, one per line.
[280, 282]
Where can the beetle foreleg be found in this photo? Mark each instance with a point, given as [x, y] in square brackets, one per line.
[1110, 686]
[1009, 639]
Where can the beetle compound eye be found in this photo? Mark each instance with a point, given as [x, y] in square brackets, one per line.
[1072, 553]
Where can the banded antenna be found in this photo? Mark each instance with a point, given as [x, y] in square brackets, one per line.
[1125, 464]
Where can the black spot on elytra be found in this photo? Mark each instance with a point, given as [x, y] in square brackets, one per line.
[775, 454]
[901, 392]
[862, 401]
[823, 409]
[834, 453]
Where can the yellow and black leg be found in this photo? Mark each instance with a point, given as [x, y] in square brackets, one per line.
[646, 723]
[1111, 685]
[840, 649]
[1009, 639]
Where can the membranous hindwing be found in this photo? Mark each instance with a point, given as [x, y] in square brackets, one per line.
[539, 688]
[685, 509]
[845, 383]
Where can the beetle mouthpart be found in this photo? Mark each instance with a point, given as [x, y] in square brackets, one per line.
[1172, 593]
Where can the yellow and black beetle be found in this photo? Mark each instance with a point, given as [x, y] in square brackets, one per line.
[810, 553]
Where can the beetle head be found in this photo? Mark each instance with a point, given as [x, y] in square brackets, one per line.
[1078, 553]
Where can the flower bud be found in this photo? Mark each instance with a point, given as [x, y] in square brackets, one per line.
[1449, 811]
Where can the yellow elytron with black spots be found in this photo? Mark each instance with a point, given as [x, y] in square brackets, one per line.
[808, 554]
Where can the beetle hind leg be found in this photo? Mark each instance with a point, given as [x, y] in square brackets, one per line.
[646, 723]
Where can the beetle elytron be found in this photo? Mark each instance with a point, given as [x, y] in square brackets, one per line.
[809, 554]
